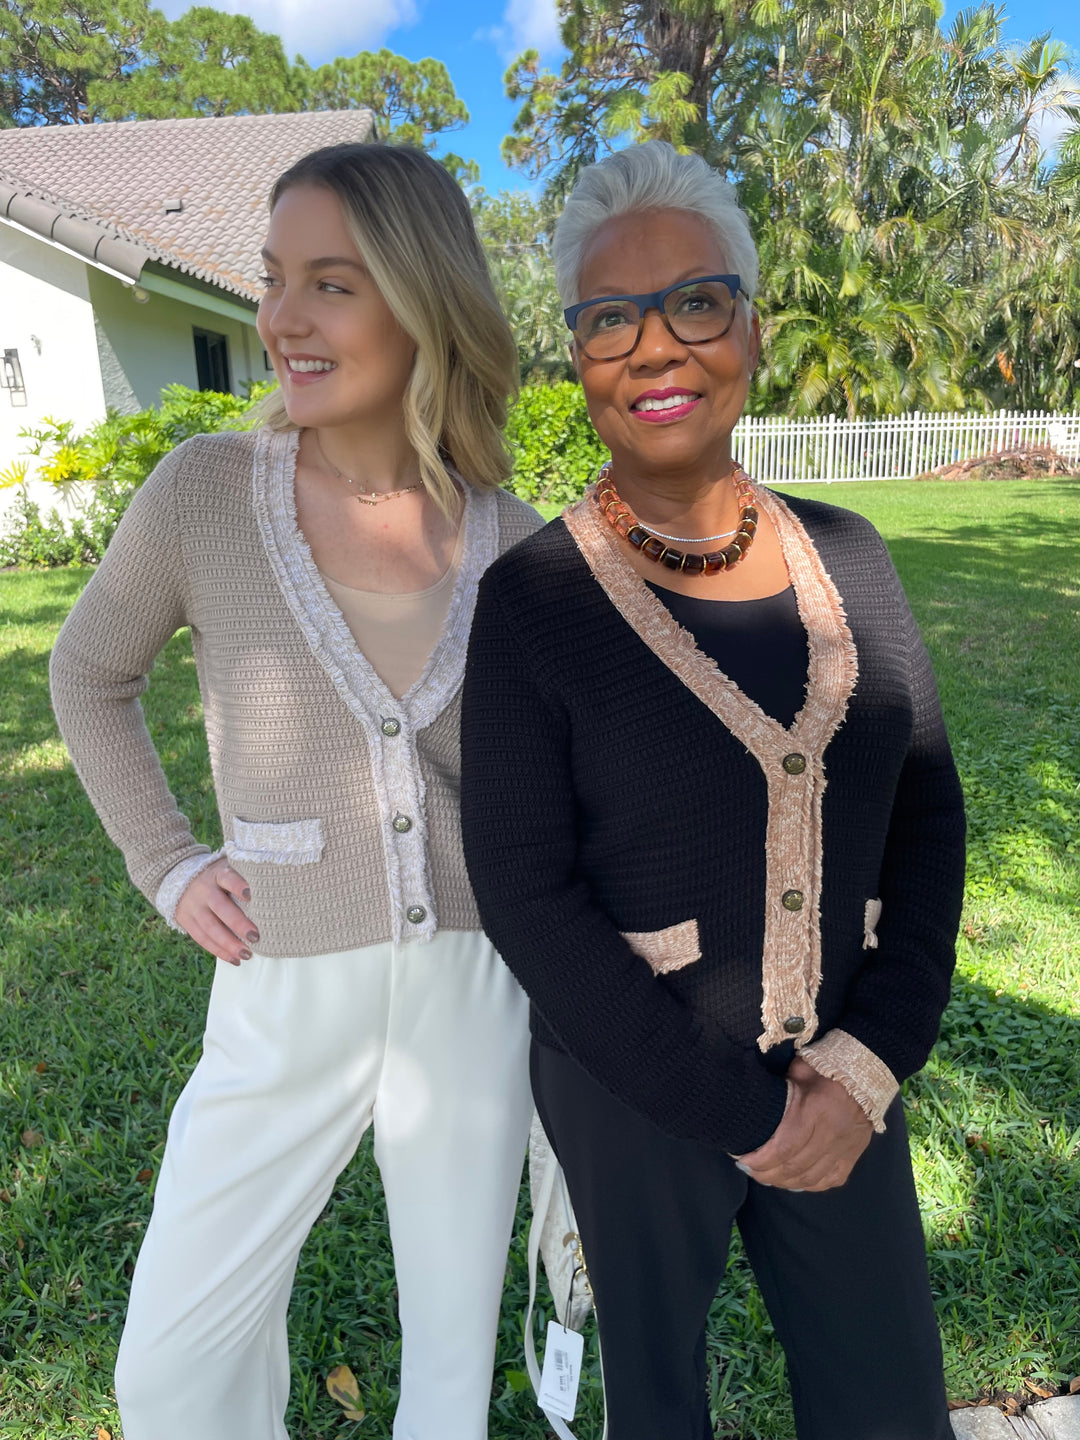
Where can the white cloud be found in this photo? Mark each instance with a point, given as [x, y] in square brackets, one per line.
[318, 32]
[526, 25]
[1051, 128]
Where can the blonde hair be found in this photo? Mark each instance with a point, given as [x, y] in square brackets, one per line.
[414, 231]
[651, 176]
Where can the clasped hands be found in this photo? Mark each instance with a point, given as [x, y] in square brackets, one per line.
[816, 1144]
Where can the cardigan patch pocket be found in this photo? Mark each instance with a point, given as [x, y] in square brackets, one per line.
[272, 842]
[669, 949]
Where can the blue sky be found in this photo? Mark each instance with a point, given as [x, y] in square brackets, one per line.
[476, 39]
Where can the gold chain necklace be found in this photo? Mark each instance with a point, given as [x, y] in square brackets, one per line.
[365, 497]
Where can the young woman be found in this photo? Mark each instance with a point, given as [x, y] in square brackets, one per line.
[729, 858]
[327, 564]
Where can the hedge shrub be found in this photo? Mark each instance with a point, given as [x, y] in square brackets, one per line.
[556, 454]
[556, 450]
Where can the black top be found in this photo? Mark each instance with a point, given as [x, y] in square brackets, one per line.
[600, 796]
[760, 644]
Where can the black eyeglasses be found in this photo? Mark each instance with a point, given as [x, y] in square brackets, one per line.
[695, 311]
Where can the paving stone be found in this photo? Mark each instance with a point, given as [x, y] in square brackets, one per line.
[986, 1423]
[1057, 1419]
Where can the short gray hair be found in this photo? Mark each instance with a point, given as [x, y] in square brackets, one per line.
[652, 176]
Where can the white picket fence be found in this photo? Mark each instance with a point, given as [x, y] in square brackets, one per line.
[897, 447]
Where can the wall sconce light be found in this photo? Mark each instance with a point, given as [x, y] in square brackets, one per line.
[11, 377]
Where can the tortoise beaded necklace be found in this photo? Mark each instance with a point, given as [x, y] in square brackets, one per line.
[625, 523]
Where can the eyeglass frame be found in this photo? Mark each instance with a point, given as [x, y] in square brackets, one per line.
[655, 301]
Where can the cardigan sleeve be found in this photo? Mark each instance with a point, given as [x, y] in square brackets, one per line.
[604, 1003]
[132, 606]
[895, 1002]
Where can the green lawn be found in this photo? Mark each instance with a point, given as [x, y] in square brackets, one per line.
[102, 1010]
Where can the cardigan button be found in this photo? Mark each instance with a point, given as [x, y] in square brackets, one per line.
[795, 763]
[416, 914]
[794, 1024]
[792, 899]
[401, 823]
[390, 726]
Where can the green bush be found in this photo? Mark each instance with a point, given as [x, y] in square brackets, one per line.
[556, 454]
[112, 458]
[556, 451]
[42, 542]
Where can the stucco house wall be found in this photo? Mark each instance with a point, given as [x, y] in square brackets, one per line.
[143, 347]
[47, 315]
[86, 345]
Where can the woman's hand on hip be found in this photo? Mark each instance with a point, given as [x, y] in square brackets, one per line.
[209, 914]
[816, 1144]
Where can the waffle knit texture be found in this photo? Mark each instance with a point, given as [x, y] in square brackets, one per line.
[615, 783]
[313, 758]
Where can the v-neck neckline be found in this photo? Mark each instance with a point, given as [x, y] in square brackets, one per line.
[321, 620]
[792, 758]
[832, 668]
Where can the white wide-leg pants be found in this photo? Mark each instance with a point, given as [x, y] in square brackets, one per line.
[429, 1042]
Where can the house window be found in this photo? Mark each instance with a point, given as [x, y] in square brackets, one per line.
[212, 360]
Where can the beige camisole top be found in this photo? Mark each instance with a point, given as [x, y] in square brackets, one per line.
[397, 633]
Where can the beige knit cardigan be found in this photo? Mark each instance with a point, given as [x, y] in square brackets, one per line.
[338, 802]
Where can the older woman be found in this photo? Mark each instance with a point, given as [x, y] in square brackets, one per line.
[714, 828]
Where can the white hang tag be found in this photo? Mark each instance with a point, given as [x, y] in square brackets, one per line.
[562, 1370]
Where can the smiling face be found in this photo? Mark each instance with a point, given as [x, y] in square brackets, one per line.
[668, 408]
[340, 356]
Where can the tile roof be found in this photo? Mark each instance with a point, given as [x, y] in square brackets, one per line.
[111, 190]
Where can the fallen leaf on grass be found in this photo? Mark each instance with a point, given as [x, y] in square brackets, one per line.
[5, 1197]
[32, 1137]
[40, 1067]
[103, 1434]
[517, 1381]
[1044, 1392]
[1074, 1385]
[1012, 1405]
[960, 1405]
[144, 1175]
[341, 1386]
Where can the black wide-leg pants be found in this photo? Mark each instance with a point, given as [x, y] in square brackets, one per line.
[843, 1272]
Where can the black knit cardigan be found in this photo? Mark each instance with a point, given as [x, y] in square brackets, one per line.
[601, 798]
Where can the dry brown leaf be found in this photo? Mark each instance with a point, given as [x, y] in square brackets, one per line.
[103, 1434]
[960, 1405]
[144, 1175]
[32, 1137]
[5, 1197]
[1012, 1405]
[1074, 1385]
[40, 1067]
[1044, 1392]
[342, 1386]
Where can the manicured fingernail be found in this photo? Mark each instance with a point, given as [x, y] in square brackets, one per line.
[253, 937]
[245, 954]
[247, 894]
[744, 1168]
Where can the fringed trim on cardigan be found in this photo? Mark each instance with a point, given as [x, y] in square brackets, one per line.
[671, 949]
[867, 1079]
[791, 954]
